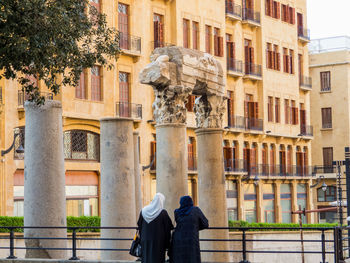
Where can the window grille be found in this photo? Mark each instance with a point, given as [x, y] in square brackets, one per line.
[81, 145]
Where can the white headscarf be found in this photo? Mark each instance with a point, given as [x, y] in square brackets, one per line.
[151, 211]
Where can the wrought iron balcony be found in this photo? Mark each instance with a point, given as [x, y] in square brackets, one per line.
[129, 110]
[252, 71]
[280, 170]
[23, 96]
[192, 163]
[320, 169]
[305, 82]
[233, 10]
[251, 16]
[130, 43]
[303, 34]
[306, 130]
[236, 122]
[156, 44]
[234, 165]
[254, 124]
[234, 67]
[327, 125]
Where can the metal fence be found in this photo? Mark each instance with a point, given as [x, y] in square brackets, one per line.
[252, 69]
[238, 244]
[129, 110]
[305, 81]
[303, 32]
[129, 42]
[250, 14]
[233, 9]
[23, 96]
[234, 65]
[306, 130]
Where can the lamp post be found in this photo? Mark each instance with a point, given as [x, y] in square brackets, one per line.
[20, 149]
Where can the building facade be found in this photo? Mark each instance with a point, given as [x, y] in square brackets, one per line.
[330, 71]
[262, 45]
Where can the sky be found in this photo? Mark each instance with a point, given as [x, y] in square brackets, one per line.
[327, 18]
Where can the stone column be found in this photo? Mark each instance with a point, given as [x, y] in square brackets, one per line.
[117, 185]
[295, 217]
[211, 178]
[44, 179]
[138, 195]
[278, 205]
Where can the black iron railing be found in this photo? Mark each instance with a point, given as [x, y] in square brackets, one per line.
[306, 130]
[278, 170]
[251, 15]
[234, 65]
[325, 88]
[326, 125]
[235, 121]
[233, 9]
[156, 44]
[129, 110]
[23, 96]
[321, 169]
[192, 163]
[305, 81]
[234, 165]
[252, 69]
[254, 124]
[129, 42]
[238, 245]
[303, 33]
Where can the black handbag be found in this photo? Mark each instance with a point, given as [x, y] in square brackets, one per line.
[135, 249]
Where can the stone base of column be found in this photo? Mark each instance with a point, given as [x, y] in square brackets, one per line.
[117, 186]
[171, 164]
[44, 180]
[212, 191]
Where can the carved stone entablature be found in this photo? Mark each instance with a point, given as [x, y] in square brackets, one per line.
[176, 72]
[209, 111]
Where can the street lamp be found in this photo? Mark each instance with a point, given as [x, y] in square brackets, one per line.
[324, 185]
[20, 149]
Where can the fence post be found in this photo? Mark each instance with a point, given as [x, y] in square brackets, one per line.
[338, 245]
[323, 238]
[12, 242]
[244, 248]
[74, 245]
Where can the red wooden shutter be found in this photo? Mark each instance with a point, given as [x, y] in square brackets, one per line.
[278, 10]
[289, 161]
[278, 61]
[253, 160]
[123, 25]
[221, 46]
[190, 156]
[161, 33]
[256, 110]
[96, 83]
[80, 88]
[267, 6]
[156, 33]
[271, 8]
[246, 54]
[185, 33]
[207, 39]
[296, 115]
[251, 55]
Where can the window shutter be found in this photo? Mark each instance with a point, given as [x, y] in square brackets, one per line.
[161, 34]
[273, 60]
[256, 110]
[221, 46]
[267, 5]
[251, 55]
[246, 109]
[293, 16]
[271, 8]
[155, 32]
[278, 11]
[263, 156]
[296, 115]
[278, 61]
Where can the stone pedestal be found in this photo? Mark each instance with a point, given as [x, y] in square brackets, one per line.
[138, 194]
[212, 191]
[44, 179]
[171, 164]
[117, 186]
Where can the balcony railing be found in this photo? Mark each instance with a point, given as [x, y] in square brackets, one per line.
[252, 69]
[156, 44]
[306, 130]
[327, 125]
[130, 43]
[23, 96]
[192, 163]
[129, 110]
[320, 169]
[254, 124]
[233, 9]
[304, 33]
[234, 65]
[237, 122]
[234, 165]
[280, 170]
[305, 81]
[325, 88]
[251, 15]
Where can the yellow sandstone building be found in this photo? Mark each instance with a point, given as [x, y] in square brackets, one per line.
[262, 45]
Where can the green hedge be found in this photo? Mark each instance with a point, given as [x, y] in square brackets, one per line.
[95, 221]
[272, 225]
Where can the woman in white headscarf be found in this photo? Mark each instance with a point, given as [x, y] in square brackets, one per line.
[155, 228]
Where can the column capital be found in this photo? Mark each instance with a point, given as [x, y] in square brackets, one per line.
[209, 110]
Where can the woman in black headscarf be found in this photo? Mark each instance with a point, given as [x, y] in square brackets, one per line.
[185, 242]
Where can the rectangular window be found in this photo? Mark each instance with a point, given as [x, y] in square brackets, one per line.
[195, 35]
[276, 58]
[269, 203]
[96, 85]
[270, 109]
[301, 198]
[230, 112]
[286, 112]
[327, 157]
[327, 196]
[186, 33]
[80, 89]
[123, 25]
[269, 63]
[286, 203]
[250, 203]
[268, 10]
[158, 30]
[291, 61]
[285, 60]
[218, 43]
[325, 80]
[232, 200]
[284, 13]
[191, 154]
[208, 39]
[294, 114]
[291, 15]
[277, 110]
[124, 95]
[326, 118]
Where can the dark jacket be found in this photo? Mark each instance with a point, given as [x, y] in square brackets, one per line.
[155, 237]
[185, 240]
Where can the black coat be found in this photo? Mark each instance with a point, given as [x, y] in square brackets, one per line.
[185, 240]
[155, 237]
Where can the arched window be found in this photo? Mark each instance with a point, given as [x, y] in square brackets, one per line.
[81, 145]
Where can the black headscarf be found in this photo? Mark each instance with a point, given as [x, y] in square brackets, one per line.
[186, 205]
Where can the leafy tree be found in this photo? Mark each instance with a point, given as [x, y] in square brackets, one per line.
[53, 41]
